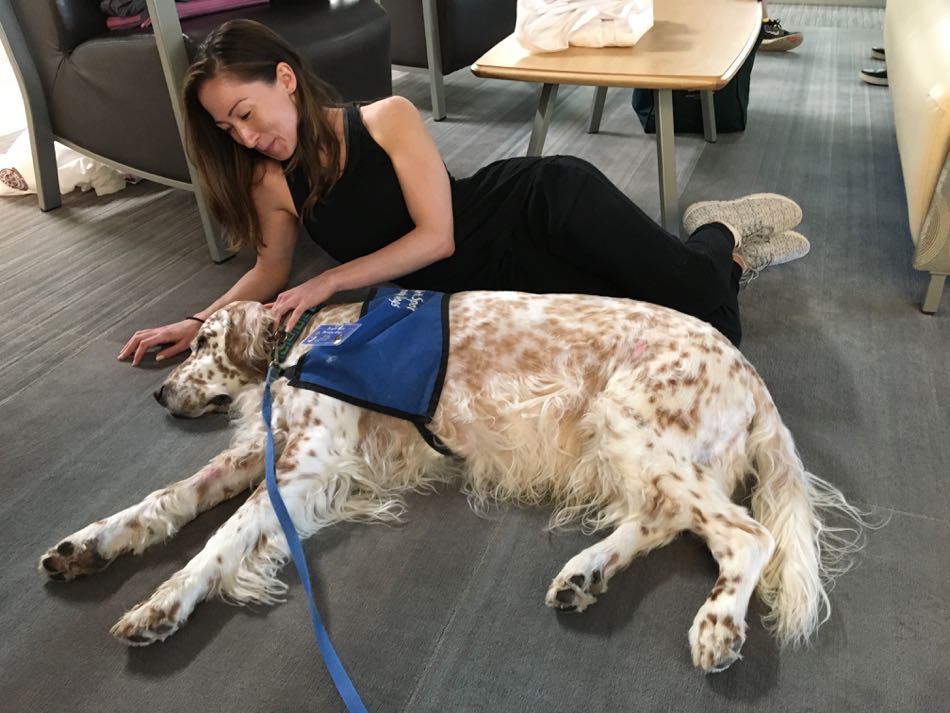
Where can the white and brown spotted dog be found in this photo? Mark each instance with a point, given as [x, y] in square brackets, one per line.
[628, 418]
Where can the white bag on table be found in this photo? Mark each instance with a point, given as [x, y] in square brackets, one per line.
[553, 25]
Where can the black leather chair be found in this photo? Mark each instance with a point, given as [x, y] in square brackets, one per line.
[445, 35]
[114, 95]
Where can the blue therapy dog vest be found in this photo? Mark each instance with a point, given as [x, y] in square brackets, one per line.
[392, 360]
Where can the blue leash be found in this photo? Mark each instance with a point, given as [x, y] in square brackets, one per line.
[341, 680]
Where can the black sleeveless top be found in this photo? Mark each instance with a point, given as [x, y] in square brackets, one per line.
[365, 211]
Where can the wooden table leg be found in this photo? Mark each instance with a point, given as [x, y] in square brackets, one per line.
[666, 160]
[597, 109]
[709, 116]
[541, 119]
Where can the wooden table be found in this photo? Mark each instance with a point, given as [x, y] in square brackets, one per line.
[693, 44]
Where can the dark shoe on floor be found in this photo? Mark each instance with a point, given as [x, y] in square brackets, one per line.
[874, 76]
[777, 39]
[877, 53]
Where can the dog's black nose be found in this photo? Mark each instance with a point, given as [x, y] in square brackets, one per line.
[160, 395]
[221, 400]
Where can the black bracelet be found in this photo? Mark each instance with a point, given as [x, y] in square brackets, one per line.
[197, 319]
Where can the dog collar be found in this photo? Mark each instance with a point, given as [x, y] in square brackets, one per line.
[283, 345]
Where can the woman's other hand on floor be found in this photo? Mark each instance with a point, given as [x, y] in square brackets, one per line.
[294, 302]
[176, 336]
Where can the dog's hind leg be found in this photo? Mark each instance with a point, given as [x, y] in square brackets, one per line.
[157, 517]
[742, 547]
[585, 575]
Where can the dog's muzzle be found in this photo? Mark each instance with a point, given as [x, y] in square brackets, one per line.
[165, 393]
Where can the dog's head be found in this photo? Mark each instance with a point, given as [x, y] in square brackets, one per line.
[229, 353]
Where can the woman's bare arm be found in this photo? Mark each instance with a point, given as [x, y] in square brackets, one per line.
[279, 228]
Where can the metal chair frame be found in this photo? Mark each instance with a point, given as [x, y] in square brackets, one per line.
[174, 59]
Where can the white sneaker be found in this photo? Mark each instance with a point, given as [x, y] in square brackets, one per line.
[771, 250]
[754, 216]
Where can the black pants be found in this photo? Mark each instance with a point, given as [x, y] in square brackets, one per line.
[557, 224]
[570, 229]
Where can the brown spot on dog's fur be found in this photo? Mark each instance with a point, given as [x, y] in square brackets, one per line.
[658, 501]
[241, 347]
[155, 616]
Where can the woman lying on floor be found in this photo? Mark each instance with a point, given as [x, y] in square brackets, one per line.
[273, 150]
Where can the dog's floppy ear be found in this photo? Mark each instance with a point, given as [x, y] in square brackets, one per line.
[250, 337]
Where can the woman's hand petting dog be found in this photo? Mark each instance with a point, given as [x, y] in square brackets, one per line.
[177, 336]
[299, 299]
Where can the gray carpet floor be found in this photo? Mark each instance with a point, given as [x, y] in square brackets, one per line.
[444, 613]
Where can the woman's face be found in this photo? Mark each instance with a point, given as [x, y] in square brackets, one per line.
[260, 116]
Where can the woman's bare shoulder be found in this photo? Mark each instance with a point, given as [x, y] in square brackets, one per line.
[389, 117]
[270, 190]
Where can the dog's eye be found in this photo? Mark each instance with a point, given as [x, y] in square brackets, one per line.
[201, 343]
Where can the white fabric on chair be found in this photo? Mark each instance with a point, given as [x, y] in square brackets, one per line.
[18, 177]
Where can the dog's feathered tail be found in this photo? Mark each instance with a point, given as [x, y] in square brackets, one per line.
[797, 507]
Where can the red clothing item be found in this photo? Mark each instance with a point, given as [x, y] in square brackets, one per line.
[193, 8]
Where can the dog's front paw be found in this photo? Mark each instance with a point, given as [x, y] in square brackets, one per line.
[715, 640]
[147, 623]
[575, 592]
[69, 560]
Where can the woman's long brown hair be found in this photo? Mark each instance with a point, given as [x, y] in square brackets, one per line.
[249, 51]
